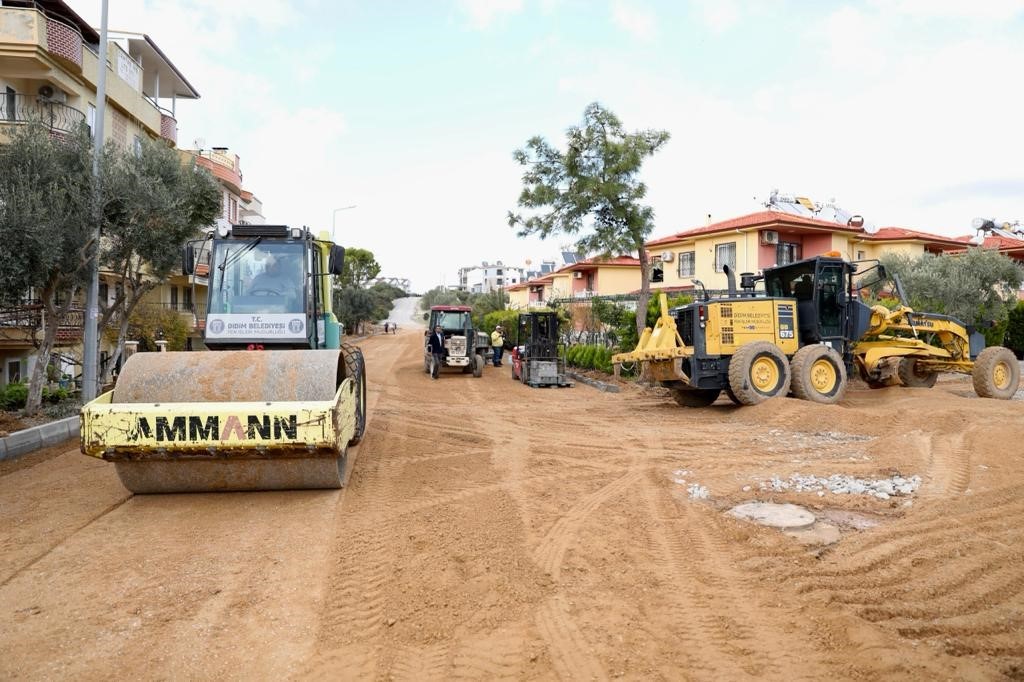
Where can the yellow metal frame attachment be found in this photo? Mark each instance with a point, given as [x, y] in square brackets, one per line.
[243, 430]
[896, 333]
[660, 343]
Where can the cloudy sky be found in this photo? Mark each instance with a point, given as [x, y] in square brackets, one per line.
[909, 112]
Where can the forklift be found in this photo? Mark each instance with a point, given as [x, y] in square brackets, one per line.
[535, 358]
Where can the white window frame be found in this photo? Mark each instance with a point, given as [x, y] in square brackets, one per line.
[692, 263]
[719, 262]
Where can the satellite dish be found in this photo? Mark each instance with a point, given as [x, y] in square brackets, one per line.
[856, 221]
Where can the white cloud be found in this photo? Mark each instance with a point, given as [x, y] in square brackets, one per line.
[718, 15]
[484, 13]
[634, 19]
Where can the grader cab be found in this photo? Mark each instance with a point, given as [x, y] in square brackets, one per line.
[806, 334]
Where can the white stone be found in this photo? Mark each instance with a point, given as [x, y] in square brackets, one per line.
[775, 515]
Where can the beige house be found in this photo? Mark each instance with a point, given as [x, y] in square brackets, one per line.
[753, 242]
[581, 280]
[49, 66]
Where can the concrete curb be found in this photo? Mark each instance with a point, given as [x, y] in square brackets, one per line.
[29, 440]
[599, 385]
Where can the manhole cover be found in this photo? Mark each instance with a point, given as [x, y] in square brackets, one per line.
[775, 515]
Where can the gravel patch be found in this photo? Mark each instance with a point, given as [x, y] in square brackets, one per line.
[840, 484]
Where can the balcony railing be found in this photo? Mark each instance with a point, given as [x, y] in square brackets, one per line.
[29, 316]
[18, 108]
[64, 40]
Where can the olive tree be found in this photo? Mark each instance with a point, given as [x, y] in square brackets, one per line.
[46, 196]
[154, 204]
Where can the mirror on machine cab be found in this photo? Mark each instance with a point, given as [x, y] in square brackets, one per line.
[841, 297]
[337, 260]
[188, 259]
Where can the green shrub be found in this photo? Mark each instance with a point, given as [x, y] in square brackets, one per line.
[55, 395]
[1014, 338]
[14, 396]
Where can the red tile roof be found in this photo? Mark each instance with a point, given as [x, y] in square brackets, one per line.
[759, 219]
[902, 234]
[995, 242]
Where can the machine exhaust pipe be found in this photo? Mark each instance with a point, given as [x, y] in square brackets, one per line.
[731, 277]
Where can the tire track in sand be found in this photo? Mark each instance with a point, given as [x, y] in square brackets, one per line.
[568, 646]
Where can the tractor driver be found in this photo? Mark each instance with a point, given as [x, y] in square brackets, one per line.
[275, 280]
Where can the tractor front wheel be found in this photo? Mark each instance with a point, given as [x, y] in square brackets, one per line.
[478, 365]
[758, 371]
[819, 375]
[914, 376]
[996, 373]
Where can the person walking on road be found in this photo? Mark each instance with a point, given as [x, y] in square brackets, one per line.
[436, 345]
[498, 344]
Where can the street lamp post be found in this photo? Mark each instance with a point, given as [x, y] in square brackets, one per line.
[90, 332]
[334, 220]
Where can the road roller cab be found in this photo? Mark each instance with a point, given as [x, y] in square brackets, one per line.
[278, 404]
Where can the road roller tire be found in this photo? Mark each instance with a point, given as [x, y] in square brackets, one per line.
[758, 371]
[236, 377]
[996, 373]
[695, 397]
[355, 367]
[914, 377]
[818, 375]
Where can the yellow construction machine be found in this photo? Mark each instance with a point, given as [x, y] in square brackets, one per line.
[805, 334]
[275, 407]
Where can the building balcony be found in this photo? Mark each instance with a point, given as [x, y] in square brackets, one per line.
[64, 41]
[29, 317]
[168, 127]
[21, 109]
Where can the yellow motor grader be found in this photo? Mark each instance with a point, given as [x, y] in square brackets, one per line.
[275, 407]
[805, 334]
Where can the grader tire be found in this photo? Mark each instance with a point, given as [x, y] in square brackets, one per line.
[911, 377]
[996, 373]
[819, 375]
[695, 397]
[732, 396]
[758, 371]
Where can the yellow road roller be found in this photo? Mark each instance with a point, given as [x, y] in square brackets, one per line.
[276, 403]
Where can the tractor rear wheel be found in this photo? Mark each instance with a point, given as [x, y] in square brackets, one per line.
[819, 375]
[915, 377]
[996, 373]
[695, 397]
[478, 365]
[758, 371]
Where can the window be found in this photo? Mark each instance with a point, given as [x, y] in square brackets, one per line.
[137, 146]
[787, 252]
[658, 271]
[91, 118]
[498, 272]
[233, 206]
[725, 254]
[14, 371]
[861, 255]
[104, 296]
[686, 263]
[174, 298]
[186, 298]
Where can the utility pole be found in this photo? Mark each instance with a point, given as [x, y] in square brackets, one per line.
[90, 335]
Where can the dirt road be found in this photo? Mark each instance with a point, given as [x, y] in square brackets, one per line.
[491, 530]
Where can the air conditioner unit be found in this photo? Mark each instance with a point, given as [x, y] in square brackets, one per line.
[666, 256]
[769, 237]
[577, 275]
[52, 94]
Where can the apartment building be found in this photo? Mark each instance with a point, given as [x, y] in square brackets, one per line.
[479, 279]
[49, 66]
